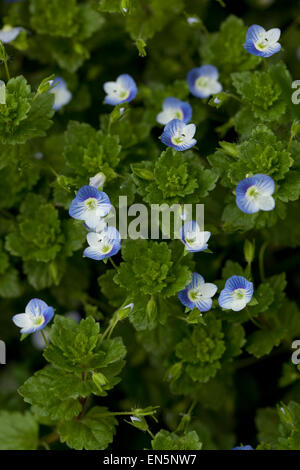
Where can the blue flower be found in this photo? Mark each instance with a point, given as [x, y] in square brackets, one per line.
[198, 294]
[193, 238]
[9, 34]
[90, 205]
[243, 448]
[237, 293]
[37, 315]
[179, 135]
[103, 245]
[203, 81]
[255, 193]
[62, 95]
[174, 109]
[123, 90]
[261, 42]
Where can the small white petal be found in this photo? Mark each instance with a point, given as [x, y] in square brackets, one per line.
[93, 238]
[22, 320]
[208, 289]
[273, 35]
[98, 180]
[266, 203]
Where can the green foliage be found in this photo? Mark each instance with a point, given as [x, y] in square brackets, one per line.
[279, 428]
[24, 115]
[88, 151]
[165, 440]
[225, 49]
[149, 274]
[38, 228]
[94, 432]
[76, 353]
[176, 178]
[18, 431]
[260, 93]
[202, 353]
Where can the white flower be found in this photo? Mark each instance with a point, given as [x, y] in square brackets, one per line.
[262, 43]
[193, 238]
[192, 20]
[203, 81]
[98, 180]
[9, 34]
[198, 294]
[37, 315]
[178, 135]
[61, 93]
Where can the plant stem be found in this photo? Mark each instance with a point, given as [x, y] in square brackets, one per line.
[151, 433]
[234, 97]
[124, 413]
[50, 438]
[45, 338]
[113, 327]
[6, 70]
[113, 263]
[193, 404]
[252, 320]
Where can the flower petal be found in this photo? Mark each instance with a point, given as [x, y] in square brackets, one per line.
[208, 289]
[48, 315]
[93, 253]
[22, 320]
[185, 300]
[266, 203]
[35, 307]
[273, 35]
[204, 304]
[264, 183]
[197, 281]
[253, 33]
[189, 131]
[93, 238]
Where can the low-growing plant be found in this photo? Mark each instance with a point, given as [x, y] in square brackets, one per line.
[188, 339]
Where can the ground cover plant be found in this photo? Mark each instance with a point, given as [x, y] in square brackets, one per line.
[189, 343]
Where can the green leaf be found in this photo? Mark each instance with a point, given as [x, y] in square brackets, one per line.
[50, 20]
[95, 431]
[178, 178]
[165, 440]
[37, 236]
[261, 93]
[18, 431]
[51, 392]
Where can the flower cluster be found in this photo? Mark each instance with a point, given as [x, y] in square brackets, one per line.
[235, 296]
[189, 309]
[91, 206]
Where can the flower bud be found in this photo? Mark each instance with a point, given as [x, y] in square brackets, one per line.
[99, 380]
[249, 251]
[98, 180]
[229, 148]
[151, 309]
